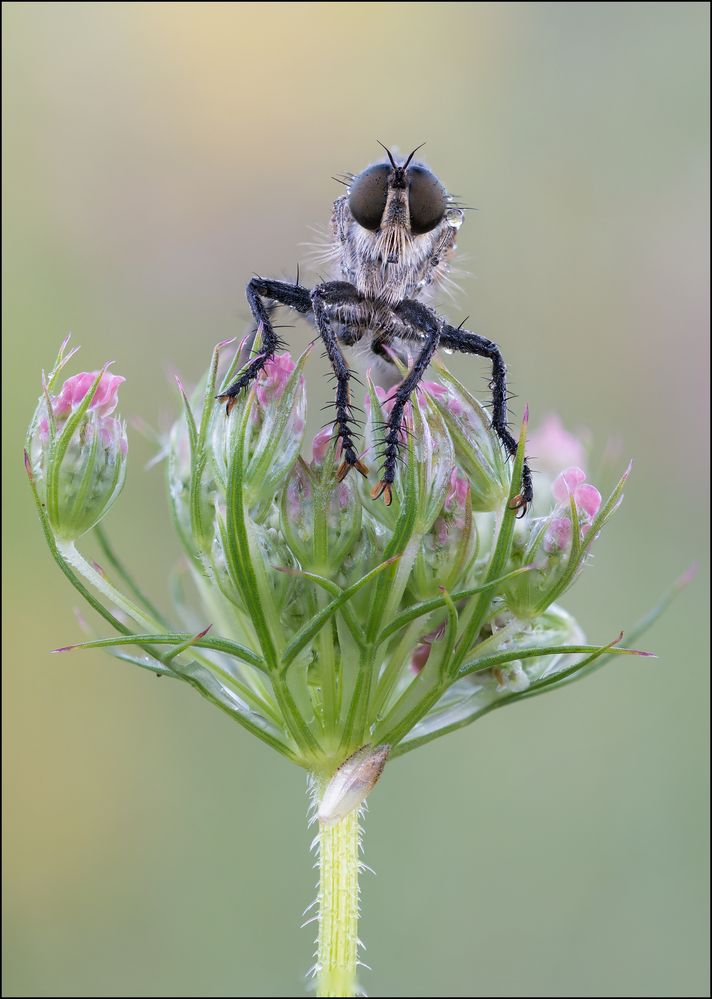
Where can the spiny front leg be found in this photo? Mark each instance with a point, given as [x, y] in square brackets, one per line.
[338, 293]
[293, 295]
[455, 338]
[424, 320]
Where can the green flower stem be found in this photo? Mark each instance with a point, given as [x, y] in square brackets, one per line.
[62, 562]
[226, 625]
[298, 728]
[329, 664]
[69, 552]
[428, 688]
[355, 724]
[73, 557]
[337, 946]
[394, 666]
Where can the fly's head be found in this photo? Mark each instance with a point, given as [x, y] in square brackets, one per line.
[395, 227]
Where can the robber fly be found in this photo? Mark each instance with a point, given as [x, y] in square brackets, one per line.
[394, 231]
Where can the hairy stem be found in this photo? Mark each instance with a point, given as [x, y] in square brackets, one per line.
[338, 900]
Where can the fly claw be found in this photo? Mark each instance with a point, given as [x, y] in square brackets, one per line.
[230, 403]
[519, 503]
[346, 466]
[384, 489]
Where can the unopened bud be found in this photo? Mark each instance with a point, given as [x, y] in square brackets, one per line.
[77, 452]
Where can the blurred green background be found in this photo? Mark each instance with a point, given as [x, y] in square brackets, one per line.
[156, 155]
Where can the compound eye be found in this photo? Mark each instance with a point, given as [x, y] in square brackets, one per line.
[427, 199]
[367, 198]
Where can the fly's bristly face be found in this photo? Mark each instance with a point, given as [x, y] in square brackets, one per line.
[396, 229]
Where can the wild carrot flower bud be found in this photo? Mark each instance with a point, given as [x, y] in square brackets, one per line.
[557, 545]
[320, 516]
[555, 627]
[450, 546]
[266, 432]
[77, 451]
[272, 433]
[192, 485]
[272, 557]
[477, 451]
[425, 450]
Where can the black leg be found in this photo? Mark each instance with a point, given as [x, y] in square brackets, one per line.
[293, 295]
[424, 320]
[342, 293]
[454, 338]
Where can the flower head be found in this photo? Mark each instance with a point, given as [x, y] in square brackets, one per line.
[345, 624]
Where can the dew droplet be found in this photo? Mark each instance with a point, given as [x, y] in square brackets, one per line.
[454, 218]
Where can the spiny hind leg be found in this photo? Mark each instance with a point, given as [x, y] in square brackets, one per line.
[334, 293]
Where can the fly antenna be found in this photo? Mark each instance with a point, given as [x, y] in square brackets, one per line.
[393, 162]
[405, 165]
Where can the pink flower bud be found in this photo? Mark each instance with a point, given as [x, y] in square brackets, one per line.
[321, 444]
[74, 390]
[320, 518]
[298, 492]
[587, 499]
[435, 389]
[558, 534]
[477, 451]
[273, 378]
[419, 657]
[444, 396]
[344, 496]
[457, 495]
[421, 653]
[387, 398]
[384, 397]
[572, 483]
[81, 480]
[565, 483]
